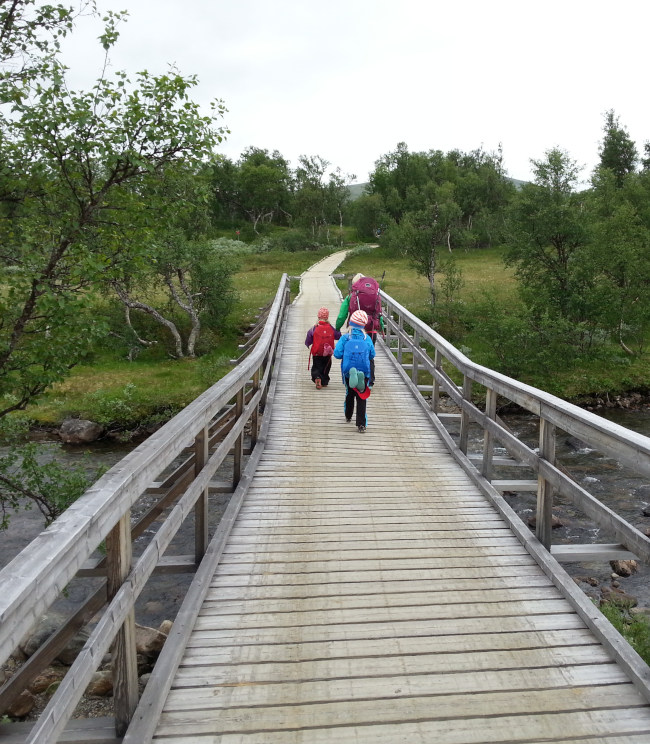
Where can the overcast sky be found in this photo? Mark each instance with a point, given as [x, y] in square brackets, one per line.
[349, 79]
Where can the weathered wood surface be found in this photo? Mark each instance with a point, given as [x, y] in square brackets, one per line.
[369, 592]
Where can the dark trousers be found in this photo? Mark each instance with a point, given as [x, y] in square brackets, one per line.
[320, 367]
[351, 396]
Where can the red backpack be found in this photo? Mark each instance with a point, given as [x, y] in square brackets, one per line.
[323, 343]
[364, 295]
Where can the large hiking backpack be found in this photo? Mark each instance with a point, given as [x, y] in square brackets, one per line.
[364, 295]
[356, 354]
[323, 343]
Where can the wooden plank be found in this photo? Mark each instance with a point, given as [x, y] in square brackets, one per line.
[517, 486]
[579, 553]
[360, 548]
[78, 731]
[410, 627]
[374, 712]
[522, 573]
[355, 689]
[470, 729]
[390, 647]
[384, 564]
[427, 612]
[374, 668]
[214, 605]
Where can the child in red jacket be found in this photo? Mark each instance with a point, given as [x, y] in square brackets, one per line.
[321, 338]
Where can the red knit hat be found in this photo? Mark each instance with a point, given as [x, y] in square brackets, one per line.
[359, 318]
[323, 313]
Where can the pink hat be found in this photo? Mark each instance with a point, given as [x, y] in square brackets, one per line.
[359, 318]
[323, 313]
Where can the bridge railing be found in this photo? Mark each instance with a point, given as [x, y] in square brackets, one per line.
[178, 464]
[405, 336]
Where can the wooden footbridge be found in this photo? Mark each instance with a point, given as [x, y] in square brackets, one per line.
[367, 587]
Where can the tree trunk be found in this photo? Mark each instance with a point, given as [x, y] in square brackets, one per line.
[189, 307]
[431, 275]
[135, 305]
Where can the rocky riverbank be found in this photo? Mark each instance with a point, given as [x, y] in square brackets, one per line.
[97, 700]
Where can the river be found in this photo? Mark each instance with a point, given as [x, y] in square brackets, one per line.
[623, 491]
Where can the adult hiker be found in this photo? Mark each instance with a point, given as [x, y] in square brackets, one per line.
[364, 295]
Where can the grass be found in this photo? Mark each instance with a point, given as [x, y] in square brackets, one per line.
[482, 271]
[154, 386]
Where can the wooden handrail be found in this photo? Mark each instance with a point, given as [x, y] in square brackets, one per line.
[628, 447]
[38, 575]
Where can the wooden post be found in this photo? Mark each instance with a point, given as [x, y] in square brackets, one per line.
[201, 455]
[265, 393]
[488, 448]
[389, 317]
[255, 418]
[544, 523]
[464, 416]
[124, 655]
[435, 393]
[399, 340]
[416, 360]
[238, 450]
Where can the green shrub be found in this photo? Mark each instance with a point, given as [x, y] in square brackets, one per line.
[635, 628]
[293, 241]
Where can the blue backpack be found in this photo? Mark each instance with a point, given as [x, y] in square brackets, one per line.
[356, 354]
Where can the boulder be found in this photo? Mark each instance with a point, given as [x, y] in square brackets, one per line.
[46, 626]
[71, 651]
[555, 522]
[80, 431]
[617, 597]
[101, 684]
[149, 641]
[44, 680]
[49, 624]
[624, 568]
[22, 705]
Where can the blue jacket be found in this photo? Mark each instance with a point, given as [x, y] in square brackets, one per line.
[362, 362]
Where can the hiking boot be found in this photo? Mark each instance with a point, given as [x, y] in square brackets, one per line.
[361, 428]
[318, 383]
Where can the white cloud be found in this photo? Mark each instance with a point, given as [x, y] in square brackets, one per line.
[349, 79]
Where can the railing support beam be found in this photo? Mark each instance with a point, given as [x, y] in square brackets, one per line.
[201, 455]
[464, 416]
[544, 523]
[488, 439]
[124, 655]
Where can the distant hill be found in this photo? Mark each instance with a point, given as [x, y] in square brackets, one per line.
[517, 183]
[356, 190]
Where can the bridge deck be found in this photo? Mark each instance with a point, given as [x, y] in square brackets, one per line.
[370, 593]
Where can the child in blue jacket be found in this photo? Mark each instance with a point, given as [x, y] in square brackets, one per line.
[356, 349]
